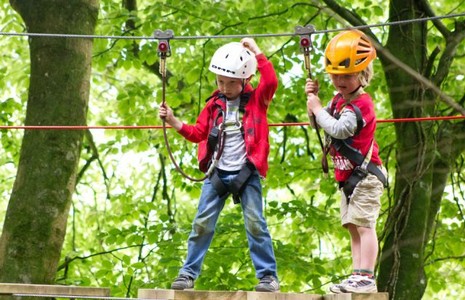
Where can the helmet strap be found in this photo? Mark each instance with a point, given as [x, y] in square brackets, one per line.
[356, 90]
[244, 82]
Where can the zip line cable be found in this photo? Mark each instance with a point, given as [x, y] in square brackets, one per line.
[172, 37]
[125, 37]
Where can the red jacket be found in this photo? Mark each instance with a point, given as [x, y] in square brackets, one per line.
[254, 120]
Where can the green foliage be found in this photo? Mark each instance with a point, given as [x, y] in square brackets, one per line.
[132, 211]
[14, 79]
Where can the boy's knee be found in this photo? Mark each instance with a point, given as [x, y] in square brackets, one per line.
[255, 228]
[201, 227]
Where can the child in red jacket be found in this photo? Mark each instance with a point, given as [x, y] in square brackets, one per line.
[232, 132]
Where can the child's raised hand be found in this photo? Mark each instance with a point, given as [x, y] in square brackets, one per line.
[250, 44]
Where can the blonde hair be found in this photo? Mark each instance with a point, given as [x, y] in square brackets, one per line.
[366, 75]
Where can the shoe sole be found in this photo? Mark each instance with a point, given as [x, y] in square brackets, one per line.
[179, 288]
[186, 289]
[343, 290]
[266, 291]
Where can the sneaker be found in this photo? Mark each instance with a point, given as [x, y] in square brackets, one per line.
[362, 284]
[336, 288]
[183, 282]
[268, 283]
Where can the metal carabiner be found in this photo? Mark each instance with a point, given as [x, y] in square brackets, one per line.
[225, 128]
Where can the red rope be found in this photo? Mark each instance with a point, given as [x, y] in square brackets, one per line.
[80, 127]
[401, 120]
[130, 127]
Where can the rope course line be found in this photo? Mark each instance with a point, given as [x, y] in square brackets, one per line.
[133, 127]
[125, 37]
[306, 46]
[164, 51]
[162, 36]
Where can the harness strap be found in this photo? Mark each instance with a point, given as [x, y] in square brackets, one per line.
[220, 187]
[358, 115]
[355, 156]
[213, 135]
[236, 187]
[357, 111]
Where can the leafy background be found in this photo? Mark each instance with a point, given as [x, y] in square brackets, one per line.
[132, 211]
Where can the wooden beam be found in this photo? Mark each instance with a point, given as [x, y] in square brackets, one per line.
[45, 289]
[244, 295]
[221, 295]
[79, 291]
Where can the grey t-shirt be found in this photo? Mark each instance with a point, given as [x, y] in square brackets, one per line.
[234, 154]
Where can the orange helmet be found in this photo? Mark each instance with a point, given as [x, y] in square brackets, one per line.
[348, 52]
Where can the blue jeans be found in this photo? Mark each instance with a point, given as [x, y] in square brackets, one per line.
[203, 227]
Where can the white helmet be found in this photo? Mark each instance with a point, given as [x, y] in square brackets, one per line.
[233, 60]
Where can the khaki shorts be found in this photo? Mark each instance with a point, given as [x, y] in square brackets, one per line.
[365, 203]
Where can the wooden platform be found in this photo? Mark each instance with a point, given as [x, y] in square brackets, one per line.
[243, 295]
[77, 292]
[56, 290]
[220, 295]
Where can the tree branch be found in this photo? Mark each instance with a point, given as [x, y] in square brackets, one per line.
[452, 257]
[344, 13]
[431, 60]
[453, 41]
[425, 7]
[68, 260]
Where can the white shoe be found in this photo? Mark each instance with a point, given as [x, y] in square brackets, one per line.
[337, 288]
[362, 284]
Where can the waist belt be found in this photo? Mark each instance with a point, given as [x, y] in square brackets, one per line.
[358, 158]
[236, 186]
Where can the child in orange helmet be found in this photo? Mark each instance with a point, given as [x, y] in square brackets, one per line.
[349, 123]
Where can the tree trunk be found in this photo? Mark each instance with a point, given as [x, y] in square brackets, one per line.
[36, 217]
[408, 225]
